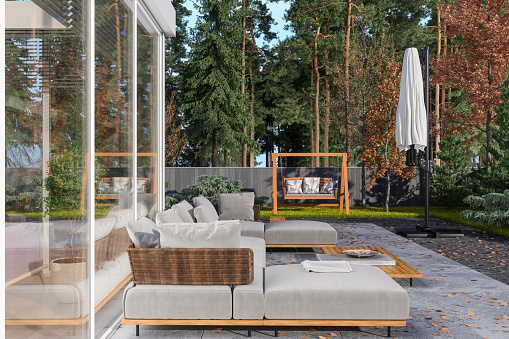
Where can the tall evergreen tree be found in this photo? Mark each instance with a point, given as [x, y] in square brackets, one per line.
[214, 107]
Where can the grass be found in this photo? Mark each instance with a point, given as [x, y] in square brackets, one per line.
[451, 214]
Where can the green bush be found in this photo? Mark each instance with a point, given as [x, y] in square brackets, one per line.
[172, 199]
[496, 207]
[210, 186]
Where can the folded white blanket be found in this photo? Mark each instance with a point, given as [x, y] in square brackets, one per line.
[327, 266]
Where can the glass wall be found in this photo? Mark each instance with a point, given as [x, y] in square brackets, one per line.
[82, 159]
[47, 224]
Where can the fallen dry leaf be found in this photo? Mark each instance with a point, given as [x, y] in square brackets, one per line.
[333, 335]
[282, 334]
[444, 330]
[504, 303]
[471, 313]
[219, 329]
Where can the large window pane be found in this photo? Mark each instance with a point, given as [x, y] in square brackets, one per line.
[47, 227]
[147, 118]
[114, 149]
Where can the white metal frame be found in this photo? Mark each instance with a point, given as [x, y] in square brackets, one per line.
[2, 166]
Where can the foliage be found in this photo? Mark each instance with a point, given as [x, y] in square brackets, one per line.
[176, 138]
[496, 207]
[172, 199]
[478, 63]
[261, 200]
[380, 154]
[450, 184]
[215, 110]
[210, 186]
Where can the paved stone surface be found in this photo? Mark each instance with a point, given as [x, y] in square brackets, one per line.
[451, 301]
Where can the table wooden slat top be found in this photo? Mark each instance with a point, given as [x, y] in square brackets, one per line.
[400, 270]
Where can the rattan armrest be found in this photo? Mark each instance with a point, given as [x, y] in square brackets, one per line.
[191, 266]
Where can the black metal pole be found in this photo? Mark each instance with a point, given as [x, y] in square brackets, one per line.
[426, 100]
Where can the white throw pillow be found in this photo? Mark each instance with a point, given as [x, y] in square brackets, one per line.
[103, 227]
[238, 206]
[294, 186]
[184, 210]
[144, 225]
[311, 185]
[122, 216]
[218, 234]
[142, 209]
[153, 212]
[204, 211]
[168, 216]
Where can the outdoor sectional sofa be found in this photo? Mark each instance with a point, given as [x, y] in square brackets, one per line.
[196, 278]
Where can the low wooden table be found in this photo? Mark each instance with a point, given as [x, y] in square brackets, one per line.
[400, 270]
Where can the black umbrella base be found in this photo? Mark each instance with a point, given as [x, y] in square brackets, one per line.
[414, 233]
[420, 232]
[446, 233]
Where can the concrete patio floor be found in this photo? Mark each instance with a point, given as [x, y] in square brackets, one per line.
[451, 301]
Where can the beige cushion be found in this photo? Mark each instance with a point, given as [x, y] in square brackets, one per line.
[293, 186]
[238, 206]
[248, 301]
[122, 216]
[103, 227]
[204, 211]
[367, 293]
[218, 234]
[184, 210]
[142, 209]
[168, 216]
[252, 229]
[310, 185]
[299, 232]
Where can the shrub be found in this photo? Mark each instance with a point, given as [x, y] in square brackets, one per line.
[172, 199]
[210, 186]
[496, 207]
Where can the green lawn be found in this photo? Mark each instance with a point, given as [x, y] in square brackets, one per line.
[445, 213]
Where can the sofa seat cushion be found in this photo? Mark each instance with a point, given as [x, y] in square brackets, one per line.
[367, 293]
[252, 229]
[248, 300]
[258, 247]
[177, 302]
[299, 232]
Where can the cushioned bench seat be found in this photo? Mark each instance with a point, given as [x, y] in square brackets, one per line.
[367, 293]
[299, 232]
[252, 229]
[305, 195]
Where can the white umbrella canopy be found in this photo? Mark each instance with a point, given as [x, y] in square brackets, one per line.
[411, 117]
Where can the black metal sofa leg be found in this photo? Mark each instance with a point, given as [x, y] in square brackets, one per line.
[388, 331]
[249, 331]
[276, 332]
[137, 330]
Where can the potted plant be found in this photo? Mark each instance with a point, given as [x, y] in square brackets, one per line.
[68, 270]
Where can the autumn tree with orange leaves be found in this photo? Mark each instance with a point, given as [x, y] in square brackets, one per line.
[380, 154]
[480, 31]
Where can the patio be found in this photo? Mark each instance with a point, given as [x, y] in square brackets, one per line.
[452, 300]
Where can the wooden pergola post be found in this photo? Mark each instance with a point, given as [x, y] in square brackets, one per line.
[344, 177]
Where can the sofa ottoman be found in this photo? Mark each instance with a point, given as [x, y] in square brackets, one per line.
[252, 229]
[367, 293]
[299, 233]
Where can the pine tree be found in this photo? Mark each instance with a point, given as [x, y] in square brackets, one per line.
[215, 109]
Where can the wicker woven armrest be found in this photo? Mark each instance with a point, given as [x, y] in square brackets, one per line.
[191, 266]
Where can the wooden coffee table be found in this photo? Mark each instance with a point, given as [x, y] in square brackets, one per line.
[400, 270]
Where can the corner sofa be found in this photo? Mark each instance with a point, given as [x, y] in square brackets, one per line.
[210, 274]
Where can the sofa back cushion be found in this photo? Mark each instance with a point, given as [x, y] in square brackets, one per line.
[204, 211]
[185, 211]
[238, 206]
[218, 234]
[168, 216]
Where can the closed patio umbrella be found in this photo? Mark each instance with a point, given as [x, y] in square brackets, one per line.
[412, 130]
[411, 117]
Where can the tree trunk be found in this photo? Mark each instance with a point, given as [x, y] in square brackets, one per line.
[363, 182]
[311, 130]
[251, 155]
[118, 119]
[347, 83]
[327, 114]
[317, 99]
[437, 95]
[214, 148]
[488, 123]
[387, 189]
[243, 84]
